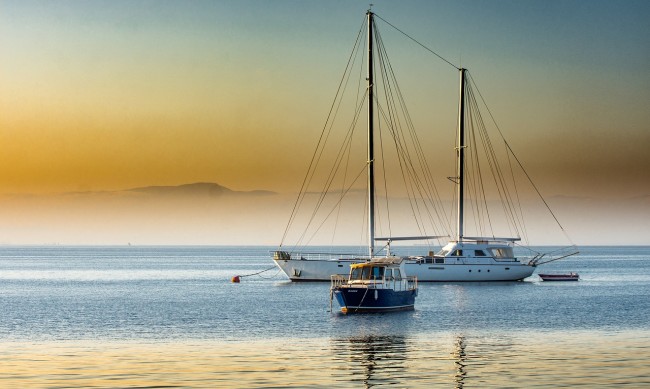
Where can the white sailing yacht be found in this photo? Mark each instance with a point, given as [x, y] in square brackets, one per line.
[463, 258]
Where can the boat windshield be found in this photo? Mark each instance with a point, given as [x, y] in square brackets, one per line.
[367, 273]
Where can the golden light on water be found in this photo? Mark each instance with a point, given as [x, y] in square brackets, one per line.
[519, 359]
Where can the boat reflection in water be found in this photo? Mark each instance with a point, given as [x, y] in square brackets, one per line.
[399, 361]
[372, 360]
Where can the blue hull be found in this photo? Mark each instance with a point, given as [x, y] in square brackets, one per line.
[358, 300]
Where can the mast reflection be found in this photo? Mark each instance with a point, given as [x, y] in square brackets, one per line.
[373, 360]
[460, 360]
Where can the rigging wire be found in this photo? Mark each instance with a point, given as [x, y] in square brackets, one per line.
[383, 169]
[381, 142]
[334, 207]
[358, 103]
[492, 160]
[348, 152]
[395, 99]
[519, 162]
[333, 171]
[514, 218]
[308, 176]
[521, 211]
[474, 163]
[416, 41]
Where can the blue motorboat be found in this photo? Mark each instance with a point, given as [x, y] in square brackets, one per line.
[379, 285]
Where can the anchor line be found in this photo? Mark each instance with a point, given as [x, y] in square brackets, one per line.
[259, 272]
[362, 298]
[331, 298]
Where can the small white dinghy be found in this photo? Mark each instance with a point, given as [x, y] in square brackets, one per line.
[560, 277]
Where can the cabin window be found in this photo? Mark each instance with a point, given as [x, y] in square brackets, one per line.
[397, 273]
[440, 260]
[428, 260]
[366, 273]
[457, 253]
[505, 252]
[479, 253]
[377, 272]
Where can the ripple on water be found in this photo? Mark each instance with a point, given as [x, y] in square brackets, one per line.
[445, 359]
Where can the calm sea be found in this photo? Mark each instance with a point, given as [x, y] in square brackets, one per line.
[170, 317]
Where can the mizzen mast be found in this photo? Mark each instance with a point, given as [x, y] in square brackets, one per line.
[461, 156]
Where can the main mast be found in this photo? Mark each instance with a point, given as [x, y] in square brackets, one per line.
[461, 156]
[371, 154]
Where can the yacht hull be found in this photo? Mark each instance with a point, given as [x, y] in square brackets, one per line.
[475, 270]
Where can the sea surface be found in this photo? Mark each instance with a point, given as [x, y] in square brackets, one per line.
[171, 317]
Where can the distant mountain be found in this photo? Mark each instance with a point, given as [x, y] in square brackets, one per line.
[196, 189]
[199, 188]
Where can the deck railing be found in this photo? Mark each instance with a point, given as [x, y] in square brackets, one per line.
[338, 280]
[285, 255]
[396, 284]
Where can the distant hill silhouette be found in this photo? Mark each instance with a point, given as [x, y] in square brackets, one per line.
[196, 189]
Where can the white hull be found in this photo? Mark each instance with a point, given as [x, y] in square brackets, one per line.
[474, 269]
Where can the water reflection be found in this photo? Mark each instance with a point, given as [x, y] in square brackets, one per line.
[460, 360]
[372, 360]
[436, 359]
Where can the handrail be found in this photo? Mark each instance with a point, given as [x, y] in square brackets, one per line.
[398, 284]
[285, 255]
[337, 280]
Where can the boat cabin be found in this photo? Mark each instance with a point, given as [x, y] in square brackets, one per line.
[478, 249]
[374, 271]
[381, 273]
[390, 289]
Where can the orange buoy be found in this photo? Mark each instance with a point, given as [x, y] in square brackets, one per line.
[235, 279]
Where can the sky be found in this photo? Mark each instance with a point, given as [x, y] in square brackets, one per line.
[110, 95]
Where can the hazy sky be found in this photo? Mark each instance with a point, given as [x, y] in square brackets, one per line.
[106, 95]
[114, 94]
